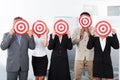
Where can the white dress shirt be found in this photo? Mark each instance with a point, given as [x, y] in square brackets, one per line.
[39, 50]
[60, 39]
[103, 43]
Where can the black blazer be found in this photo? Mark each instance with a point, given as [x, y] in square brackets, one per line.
[99, 55]
[60, 49]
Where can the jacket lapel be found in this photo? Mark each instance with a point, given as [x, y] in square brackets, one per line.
[59, 40]
[100, 44]
[22, 40]
[98, 41]
[106, 43]
[62, 40]
[16, 40]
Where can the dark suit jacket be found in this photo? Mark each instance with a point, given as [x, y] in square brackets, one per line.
[102, 64]
[17, 54]
[59, 48]
[110, 42]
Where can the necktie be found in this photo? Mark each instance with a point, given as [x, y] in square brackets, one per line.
[19, 39]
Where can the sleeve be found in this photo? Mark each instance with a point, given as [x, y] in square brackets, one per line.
[7, 38]
[90, 43]
[51, 43]
[75, 36]
[115, 42]
[31, 42]
[69, 44]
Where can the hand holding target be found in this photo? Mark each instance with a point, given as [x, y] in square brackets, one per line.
[39, 28]
[103, 28]
[69, 34]
[20, 26]
[12, 31]
[92, 32]
[85, 21]
[113, 31]
[61, 27]
[30, 33]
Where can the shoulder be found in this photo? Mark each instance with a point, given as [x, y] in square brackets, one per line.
[65, 35]
[91, 28]
[109, 37]
[6, 33]
[26, 36]
[76, 30]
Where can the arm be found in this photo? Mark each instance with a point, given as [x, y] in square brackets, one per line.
[6, 41]
[115, 42]
[31, 42]
[69, 44]
[69, 41]
[90, 43]
[75, 36]
[46, 39]
[51, 43]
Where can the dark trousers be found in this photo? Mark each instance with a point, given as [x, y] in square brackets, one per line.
[22, 75]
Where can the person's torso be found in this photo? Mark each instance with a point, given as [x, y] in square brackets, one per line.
[81, 49]
[60, 46]
[39, 50]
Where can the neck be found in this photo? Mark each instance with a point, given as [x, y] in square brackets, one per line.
[102, 37]
[60, 36]
[39, 36]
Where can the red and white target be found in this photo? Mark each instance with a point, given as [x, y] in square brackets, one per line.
[39, 27]
[61, 27]
[21, 26]
[103, 28]
[85, 21]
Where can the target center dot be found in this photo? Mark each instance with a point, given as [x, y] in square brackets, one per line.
[20, 26]
[103, 28]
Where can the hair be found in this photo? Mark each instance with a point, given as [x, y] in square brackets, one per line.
[86, 13]
[17, 18]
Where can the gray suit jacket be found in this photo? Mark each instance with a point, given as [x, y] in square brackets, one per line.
[17, 54]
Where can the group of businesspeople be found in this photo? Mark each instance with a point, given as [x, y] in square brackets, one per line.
[92, 52]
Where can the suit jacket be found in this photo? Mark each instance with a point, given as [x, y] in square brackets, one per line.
[81, 45]
[17, 54]
[60, 49]
[99, 55]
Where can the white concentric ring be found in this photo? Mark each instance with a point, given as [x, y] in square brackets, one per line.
[39, 27]
[85, 21]
[21, 23]
[59, 24]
